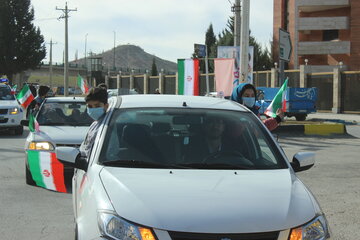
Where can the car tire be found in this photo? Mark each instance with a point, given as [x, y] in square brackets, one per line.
[29, 180]
[300, 117]
[19, 130]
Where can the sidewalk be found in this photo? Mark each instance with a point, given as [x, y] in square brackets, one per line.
[320, 124]
[347, 119]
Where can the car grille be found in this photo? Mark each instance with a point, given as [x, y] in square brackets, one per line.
[3, 111]
[68, 145]
[240, 236]
[4, 120]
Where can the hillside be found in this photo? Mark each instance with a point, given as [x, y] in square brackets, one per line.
[133, 57]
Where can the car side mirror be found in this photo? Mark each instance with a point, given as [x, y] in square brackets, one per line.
[24, 123]
[71, 157]
[303, 161]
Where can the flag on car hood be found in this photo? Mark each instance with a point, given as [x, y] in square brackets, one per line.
[46, 170]
[279, 101]
[82, 84]
[188, 79]
[25, 96]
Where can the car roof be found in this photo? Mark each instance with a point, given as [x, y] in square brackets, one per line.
[177, 101]
[65, 99]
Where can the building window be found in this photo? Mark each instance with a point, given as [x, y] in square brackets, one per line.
[329, 35]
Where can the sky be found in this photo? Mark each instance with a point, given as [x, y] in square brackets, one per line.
[165, 28]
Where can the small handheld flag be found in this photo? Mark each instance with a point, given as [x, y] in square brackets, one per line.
[279, 101]
[82, 84]
[25, 97]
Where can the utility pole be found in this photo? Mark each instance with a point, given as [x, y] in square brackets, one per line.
[86, 55]
[244, 47]
[236, 9]
[50, 64]
[114, 49]
[66, 11]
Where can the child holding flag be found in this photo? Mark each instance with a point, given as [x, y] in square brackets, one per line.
[245, 94]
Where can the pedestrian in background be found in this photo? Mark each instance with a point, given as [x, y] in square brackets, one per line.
[245, 94]
[157, 91]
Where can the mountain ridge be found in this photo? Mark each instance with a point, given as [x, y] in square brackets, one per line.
[132, 57]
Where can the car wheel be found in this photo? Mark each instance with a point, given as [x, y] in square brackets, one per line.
[300, 117]
[29, 179]
[19, 130]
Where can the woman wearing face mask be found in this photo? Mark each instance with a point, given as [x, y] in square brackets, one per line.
[245, 94]
[97, 104]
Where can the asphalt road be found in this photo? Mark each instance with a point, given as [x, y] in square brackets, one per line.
[33, 213]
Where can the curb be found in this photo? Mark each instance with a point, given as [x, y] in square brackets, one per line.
[323, 129]
[335, 121]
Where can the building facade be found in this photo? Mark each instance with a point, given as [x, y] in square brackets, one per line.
[324, 33]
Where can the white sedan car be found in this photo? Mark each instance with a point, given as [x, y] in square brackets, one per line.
[63, 121]
[181, 167]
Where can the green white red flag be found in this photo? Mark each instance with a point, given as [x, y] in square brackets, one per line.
[82, 84]
[46, 170]
[279, 101]
[33, 124]
[25, 97]
[188, 79]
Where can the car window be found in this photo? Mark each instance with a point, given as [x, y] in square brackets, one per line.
[189, 138]
[64, 113]
[5, 94]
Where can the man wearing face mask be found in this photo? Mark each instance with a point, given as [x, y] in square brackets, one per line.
[245, 94]
[97, 104]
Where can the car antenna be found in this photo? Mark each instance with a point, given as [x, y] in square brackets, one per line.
[184, 104]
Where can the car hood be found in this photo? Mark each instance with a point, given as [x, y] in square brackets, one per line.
[61, 134]
[8, 104]
[212, 201]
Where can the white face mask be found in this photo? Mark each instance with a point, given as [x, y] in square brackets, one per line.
[248, 101]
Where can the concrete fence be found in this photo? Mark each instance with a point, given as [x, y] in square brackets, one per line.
[338, 90]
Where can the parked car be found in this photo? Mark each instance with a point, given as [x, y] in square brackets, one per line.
[184, 167]
[11, 112]
[299, 101]
[63, 121]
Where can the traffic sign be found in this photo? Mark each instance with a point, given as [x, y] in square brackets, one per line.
[284, 45]
[200, 50]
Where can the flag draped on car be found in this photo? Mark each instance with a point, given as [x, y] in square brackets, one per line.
[279, 101]
[33, 124]
[82, 84]
[25, 96]
[46, 170]
[188, 77]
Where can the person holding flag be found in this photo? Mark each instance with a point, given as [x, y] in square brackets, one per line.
[245, 94]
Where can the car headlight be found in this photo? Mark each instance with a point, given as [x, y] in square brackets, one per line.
[317, 229]
[45, 146]
[113, 226]
[14, 111]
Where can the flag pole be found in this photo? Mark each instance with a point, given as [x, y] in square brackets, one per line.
[207, 71]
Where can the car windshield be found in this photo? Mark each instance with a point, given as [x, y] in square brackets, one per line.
[188, 139]
[5, 94]
[64, 113]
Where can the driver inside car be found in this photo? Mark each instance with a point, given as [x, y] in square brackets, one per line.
[209, 141]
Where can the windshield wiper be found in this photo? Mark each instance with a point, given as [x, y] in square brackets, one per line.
[139, 164]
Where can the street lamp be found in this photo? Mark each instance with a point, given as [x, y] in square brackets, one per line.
[306, 61]
[276, 65]
[341, 64]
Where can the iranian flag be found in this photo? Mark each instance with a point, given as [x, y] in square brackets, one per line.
[25, 96]
[82, 84]
[279, 101]
[33, 124]
[188, 80]
[46, 170]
